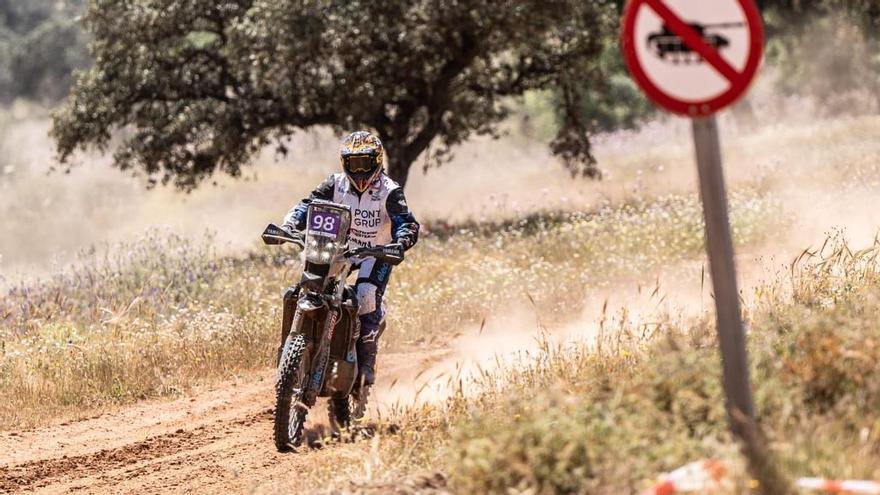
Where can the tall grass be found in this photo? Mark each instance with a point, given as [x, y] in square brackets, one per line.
[129, 321]
[553, 260]
[609, 419]
[162, 313]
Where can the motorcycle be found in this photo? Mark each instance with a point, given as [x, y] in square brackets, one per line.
[320, 325]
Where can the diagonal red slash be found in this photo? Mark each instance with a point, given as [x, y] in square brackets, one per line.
[694, 41]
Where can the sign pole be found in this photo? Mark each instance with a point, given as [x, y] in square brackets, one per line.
[731, 334]
[719, 247]
[694, 60]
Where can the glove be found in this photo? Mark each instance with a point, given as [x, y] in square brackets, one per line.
[290, 229]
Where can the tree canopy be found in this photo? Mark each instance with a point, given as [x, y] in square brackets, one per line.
[201, 85]
[198, 86]
[827, 49]
[40, 45]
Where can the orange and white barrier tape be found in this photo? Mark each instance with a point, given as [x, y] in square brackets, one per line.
[707, 475]
[697, 476]
[854, 487]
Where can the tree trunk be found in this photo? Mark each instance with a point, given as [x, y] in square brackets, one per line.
[397, 165]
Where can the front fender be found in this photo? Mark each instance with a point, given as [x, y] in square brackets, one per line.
[311, 303]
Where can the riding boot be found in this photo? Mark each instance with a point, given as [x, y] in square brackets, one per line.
[367, 361]
[367, 347]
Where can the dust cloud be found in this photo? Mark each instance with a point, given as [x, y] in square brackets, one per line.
[791, 154]
[824, 172]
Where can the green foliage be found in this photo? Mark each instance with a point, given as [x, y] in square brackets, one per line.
[425, 75]
[786, 15]
[611, 102]
[827, 49]
[41, 44]
[616, 103]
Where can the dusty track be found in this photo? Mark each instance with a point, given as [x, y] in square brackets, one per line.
[217, 441]
[220, 440]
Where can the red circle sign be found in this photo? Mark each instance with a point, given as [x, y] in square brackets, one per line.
[693, 57]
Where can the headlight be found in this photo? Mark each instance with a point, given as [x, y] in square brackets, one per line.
[320, 251]
[328, 252]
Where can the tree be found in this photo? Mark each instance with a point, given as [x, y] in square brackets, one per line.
[827, 49]
[201, 85]
[40, 45]
[783, 16]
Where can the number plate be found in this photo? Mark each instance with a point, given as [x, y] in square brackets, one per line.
[324, 223]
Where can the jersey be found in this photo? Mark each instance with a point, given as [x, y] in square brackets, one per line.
[380, 214]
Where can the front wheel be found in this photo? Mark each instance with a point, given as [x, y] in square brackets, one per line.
[290, 412]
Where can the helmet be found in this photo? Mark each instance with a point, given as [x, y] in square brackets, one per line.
[362, 158]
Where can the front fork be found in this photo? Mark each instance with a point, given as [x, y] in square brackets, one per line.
[287, 313]
[322, 355]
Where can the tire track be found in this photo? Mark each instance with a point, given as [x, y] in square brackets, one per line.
[43, 472]
[216, 441]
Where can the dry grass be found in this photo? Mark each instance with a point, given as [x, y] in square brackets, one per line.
[128, 322]
[162, 313]
[608, 420]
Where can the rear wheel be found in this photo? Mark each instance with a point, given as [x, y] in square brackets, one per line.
[359, 402]
[340, 414]
[346, 411]
[290, 412]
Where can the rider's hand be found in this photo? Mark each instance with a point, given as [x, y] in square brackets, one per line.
[354, 252]
[291, 230]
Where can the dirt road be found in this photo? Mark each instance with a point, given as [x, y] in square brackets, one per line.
[220, 439]
[217, 441]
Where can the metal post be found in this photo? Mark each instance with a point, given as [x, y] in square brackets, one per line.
[731, 336]
[723, 269]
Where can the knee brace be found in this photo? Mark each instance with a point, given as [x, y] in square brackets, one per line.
[366, 296]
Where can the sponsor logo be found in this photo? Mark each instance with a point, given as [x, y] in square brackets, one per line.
[367, 218]
[382, 272]
[325, 356]
[370, 337]
[316, 379]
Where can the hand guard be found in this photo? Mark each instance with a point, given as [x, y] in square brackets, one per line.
[292, 230]
[391, 253]
[394, 253]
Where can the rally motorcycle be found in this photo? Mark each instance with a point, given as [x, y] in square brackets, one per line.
[320, 324]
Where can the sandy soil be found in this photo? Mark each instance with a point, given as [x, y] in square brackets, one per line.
[216, 441]
[219, 440]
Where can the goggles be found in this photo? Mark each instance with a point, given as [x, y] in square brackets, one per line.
[360, 164]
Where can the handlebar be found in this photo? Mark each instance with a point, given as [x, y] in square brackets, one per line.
[274, 235]
[392, 253]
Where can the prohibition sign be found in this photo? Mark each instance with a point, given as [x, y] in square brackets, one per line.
[693, 57]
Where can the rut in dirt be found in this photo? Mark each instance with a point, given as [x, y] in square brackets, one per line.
[43, 472]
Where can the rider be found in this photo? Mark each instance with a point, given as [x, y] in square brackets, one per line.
[380, 216]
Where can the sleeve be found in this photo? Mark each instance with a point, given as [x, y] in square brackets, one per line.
[296, 217]
[404, 227]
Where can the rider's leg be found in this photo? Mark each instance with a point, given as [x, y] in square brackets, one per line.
[372, 280]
